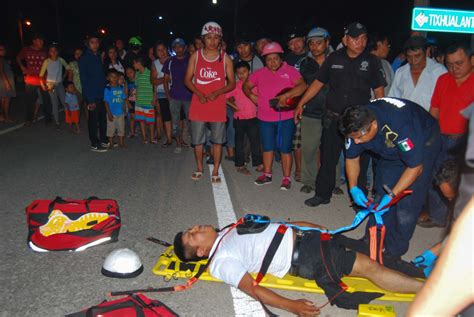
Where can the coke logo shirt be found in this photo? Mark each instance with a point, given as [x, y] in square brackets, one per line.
[209, 76]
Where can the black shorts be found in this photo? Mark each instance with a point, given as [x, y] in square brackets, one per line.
[312, 264]
[131, 110]
[165, 109]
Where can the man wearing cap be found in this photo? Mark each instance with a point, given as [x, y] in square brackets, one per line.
[297, 47]
[245, 53]
[351, 74]
[30, 60]
[210, 75]
[416, 80]
[311, 127]
[177, 93]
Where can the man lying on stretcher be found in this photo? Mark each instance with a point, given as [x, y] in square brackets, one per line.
[302, 252]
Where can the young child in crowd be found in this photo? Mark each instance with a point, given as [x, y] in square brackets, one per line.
[245, 122]
[114, 98]
[131, 91]
[146, 101]
[71, 105]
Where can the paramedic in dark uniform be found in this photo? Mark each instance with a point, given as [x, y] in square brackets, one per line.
[407, 140]
[350, 73]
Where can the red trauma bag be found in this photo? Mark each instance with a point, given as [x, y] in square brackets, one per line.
[136, 305]
[58, 225]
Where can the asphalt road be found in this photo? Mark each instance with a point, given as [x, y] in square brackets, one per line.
[157, 198]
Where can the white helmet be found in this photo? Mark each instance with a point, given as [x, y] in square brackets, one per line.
[211, 28]
[122, 263]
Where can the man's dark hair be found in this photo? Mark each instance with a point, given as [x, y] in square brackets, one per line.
[184, 252]
[36, 36]
[67, 83]
[375, 38]
[448, 173]
[142, 59]
[241, 64]
[112, 71]
[453, 48]
[354, 119]
[415, 43]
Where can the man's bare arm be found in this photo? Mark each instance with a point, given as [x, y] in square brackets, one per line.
[300, 307]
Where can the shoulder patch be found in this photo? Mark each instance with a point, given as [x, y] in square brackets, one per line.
[406, 145]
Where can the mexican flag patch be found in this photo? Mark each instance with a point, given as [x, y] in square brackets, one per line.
[405, 145]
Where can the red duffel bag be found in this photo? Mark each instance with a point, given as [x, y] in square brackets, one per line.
[136, 305]
[59, 225]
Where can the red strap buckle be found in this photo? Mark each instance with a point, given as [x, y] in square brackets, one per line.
[325, 236]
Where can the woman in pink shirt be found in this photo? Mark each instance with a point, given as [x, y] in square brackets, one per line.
[276, 127]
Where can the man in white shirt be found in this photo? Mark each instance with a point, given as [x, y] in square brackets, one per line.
[416, 80]
[240, 254]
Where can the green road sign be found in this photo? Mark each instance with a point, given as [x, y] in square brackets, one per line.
[442, 20]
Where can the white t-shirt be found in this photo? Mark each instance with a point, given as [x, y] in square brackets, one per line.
[160, 89]
[239, 254]
[403, 87]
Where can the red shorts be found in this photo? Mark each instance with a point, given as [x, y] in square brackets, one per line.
[72, 116]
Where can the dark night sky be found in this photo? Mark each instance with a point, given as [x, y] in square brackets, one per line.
[185, 18]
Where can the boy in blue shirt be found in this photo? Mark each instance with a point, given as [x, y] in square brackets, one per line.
[114, 98]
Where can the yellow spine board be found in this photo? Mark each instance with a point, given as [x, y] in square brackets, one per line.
[169, 266]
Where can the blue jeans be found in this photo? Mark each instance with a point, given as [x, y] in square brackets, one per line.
[277, 136]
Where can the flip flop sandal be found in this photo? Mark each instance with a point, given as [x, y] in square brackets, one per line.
[155, 141]
[196, 176]
[216, 179]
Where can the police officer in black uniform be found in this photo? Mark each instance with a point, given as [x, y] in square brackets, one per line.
[407, 140]
[351, 73]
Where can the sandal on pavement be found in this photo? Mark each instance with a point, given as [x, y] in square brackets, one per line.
[196, 176]
[155, 141]
[216, 179]
[166, 144]
[243, 170]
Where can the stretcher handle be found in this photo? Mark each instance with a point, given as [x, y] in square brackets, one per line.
[60, 200]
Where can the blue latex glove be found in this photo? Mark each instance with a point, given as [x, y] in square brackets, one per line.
[359, 196]
[382, 206]
[426, 259]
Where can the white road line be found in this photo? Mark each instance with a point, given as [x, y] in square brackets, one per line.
[16, 127]
[244, 305]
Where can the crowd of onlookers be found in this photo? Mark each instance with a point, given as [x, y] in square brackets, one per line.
[247, 102]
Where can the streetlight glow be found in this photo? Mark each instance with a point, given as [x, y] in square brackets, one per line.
[28, 22]
[214, 1]
[160, 17]
[171, 32]
[102, 31]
